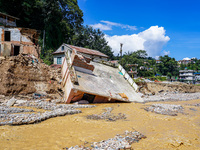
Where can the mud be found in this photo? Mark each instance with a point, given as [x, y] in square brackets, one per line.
[25, 74]
[162, 131]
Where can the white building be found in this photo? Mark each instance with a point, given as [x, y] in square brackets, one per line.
[185, 61]
[187, 76]
[94, 55]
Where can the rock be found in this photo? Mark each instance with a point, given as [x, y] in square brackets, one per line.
[48, 100]
[20, 102]
[11, 102]
[2, 96]
[160, 91]
[83, 102]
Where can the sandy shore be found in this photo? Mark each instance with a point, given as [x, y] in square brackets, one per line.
[162, 131]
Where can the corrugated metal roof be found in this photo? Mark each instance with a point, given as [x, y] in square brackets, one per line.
[9, 16]
[82, 50]
[87, 51]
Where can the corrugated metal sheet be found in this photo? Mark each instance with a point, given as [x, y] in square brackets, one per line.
[82, 50]
[87, 51]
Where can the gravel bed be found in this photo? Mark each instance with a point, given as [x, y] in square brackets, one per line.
[172, 97]
[196, 105]
[19, 119]
[9, 110]
[107, 115]
[52, 110]
[39, 104]
[165, 109]
[122, 141]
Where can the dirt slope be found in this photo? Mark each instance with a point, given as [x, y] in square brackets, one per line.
[155, 88]
[24, 74]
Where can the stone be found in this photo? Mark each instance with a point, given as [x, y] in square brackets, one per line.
[20, 102]
[83, 102]
[11, 102]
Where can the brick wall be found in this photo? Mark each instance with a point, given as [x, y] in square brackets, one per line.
[79, 61]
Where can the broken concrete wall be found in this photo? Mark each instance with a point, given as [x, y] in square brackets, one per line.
[79, 61]
[15, 34]
[19, 37]
[67, 84]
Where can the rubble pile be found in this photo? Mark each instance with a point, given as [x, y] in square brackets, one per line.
[196, 105]
[41, 104]
[17, 116]
[107, 115]
[9, 110]
[20, 119]
[25, 74]
[165, 109]
[122, 141]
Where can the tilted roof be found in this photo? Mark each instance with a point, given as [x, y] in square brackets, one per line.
[83, 50]
[8, 15]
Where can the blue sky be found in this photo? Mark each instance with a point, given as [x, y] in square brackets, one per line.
[158, 26]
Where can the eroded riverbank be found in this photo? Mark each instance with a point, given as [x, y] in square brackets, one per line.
[162, 131]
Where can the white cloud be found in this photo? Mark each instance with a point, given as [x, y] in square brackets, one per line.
[152, 40]
[101, 26]
[166, 52]
[107, 25]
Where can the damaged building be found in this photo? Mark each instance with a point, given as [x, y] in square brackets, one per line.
[15, 40]
[95, 80]
[59, 54]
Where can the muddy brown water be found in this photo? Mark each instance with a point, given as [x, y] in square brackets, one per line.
[162, 131]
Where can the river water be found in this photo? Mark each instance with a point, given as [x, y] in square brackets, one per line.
[162, 131]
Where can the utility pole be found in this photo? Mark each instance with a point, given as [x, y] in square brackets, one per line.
[121, 44]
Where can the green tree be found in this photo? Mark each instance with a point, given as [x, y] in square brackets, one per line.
[91, 38]
[168, 66]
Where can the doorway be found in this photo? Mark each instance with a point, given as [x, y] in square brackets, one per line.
[16, 50]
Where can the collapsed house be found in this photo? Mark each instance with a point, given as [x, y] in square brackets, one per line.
[59, 54]
[96, 81]
[15, 40]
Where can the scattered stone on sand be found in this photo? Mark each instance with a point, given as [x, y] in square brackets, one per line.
[122, 141]
[196, 105]
[9, 110]
[165, 109]
[107, 115]
[17, 116]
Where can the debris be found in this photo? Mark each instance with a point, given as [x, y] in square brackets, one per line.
[11, 102]
[122, 141]
[107, 115]
[96, 82]
[83, 102]
[17, 116]
[19, 76]
[18, 102]
[165, 109]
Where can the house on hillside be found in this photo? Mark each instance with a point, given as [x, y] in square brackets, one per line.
[59, 54]
[185, 61]
[15, 40]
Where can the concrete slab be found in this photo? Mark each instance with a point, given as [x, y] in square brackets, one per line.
[106, 81]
